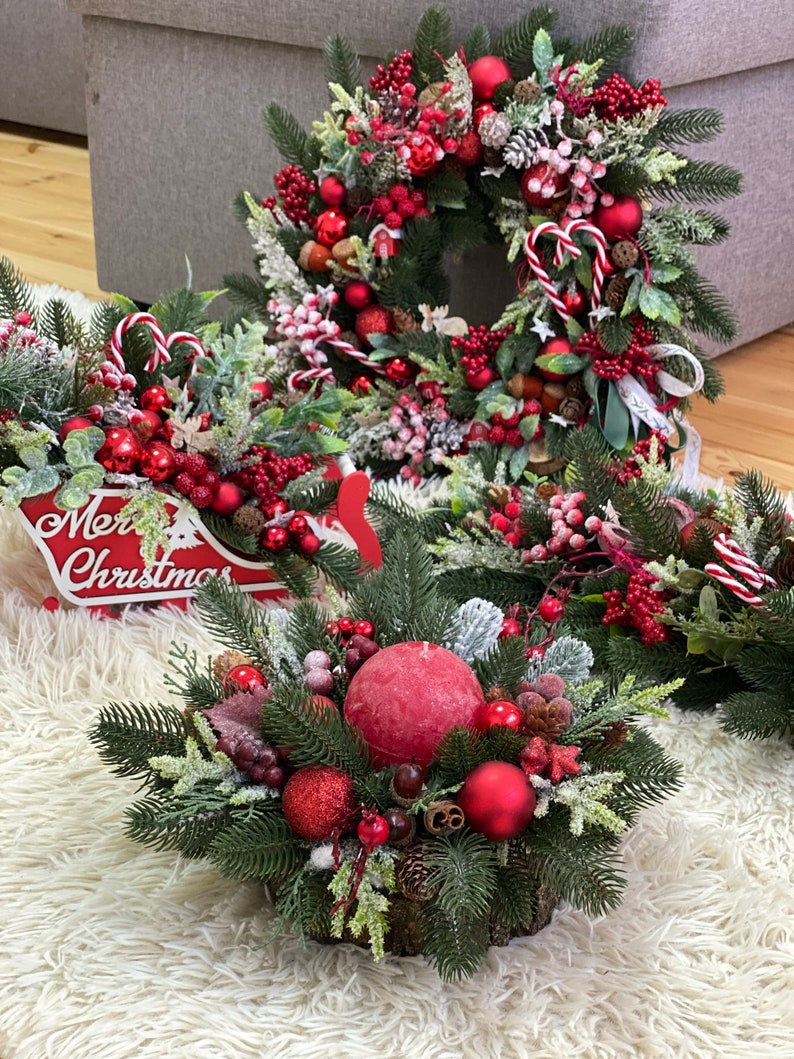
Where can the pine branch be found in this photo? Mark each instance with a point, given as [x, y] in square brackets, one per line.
[581, 872]
[200, 690]
[707, 310]
[647, 517]
[258, 845]
[233, 617]
[515, 897]
[504, 666]
[649, 774]
[127, 735]
[515, 45]
[693, 125]
[187, 825]
[248, 291]
[760, 499]
[16, 294]
[340, 565]
[59, 323]
[758, 714]
[433, 38]
[303, 903]
[701, 182]
[609, 45]
[342, 64]
[297, 575]
[286, 133]
[104, 319]
[476, 43]
[225, 531]
[456, 754]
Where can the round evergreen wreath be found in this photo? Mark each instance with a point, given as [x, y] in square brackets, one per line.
[515, 141]
[398, 773]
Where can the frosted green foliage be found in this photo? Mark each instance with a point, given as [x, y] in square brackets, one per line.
[462, 550]
[517, 312]
[529, 116]
[280, 272]
[458, 100]
[583, 796]
[543, 57]
[371, 904]
[249, 794]
[674, 573]
[467, 484]
[284, 658]
[661, 166]
[644, 700]
[236, 433]
[624, 139]
[569, 658]
[146, 509]
[475, 629]
[19, 483]
[185, 772]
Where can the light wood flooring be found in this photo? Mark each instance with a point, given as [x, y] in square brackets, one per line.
[46, 229]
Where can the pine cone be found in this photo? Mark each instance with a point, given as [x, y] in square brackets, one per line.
[521, 148]
[546, 490]
[571, 409]
[356, 198]
[492, 157]
[393, 113]
[249, 520]
[526, 91]
[612, 738]
[616, 291]
[412, 872]
[227, 661]
[544, 719]
[574, 387]
[494, 129]
[404, 321]
[784, 571]
[444, 817]
[624, 254]
[496, 694]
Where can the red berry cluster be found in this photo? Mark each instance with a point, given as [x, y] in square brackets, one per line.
[294, 188]
[568, 528]
[194, 479]
[394, 77]
[261, 761]
[480, 346]
[359, 636]
[504, 429]
[639, 608]
[617, 99]
[632, 361]
[7, 414]
[400, 203]
[631, 468]
[284, 530]
[506, 520]
[268, 473]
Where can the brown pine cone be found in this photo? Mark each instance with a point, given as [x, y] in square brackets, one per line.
[496, 694]
[249, 520]
[571, 409]
[574, 387]
[624, 254]
[227, 661]
[526, 91]
[546, 490]
[784, 570]
[411, 873]
[544, 719]
[404, 321]
[500, 494]
[612, 738]
[616, 291]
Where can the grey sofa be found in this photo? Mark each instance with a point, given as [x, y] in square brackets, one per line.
[175, 90]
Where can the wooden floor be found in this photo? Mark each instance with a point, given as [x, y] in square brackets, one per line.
[46, 229]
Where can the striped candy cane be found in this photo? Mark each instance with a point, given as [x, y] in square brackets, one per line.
[739, 561]
[744, 594]
[565, 244]
[309, 375]
[162, 343]
[356, 354]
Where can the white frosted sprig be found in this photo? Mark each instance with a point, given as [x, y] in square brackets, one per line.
[569, 658]
[583, 796]
[475, 630]
[194, 768]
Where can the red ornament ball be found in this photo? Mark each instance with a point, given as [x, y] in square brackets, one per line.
[486, 73]
[274, 539]
[497, 800]
[358, 294]
[332, 191]
[331, 227]
[318, 802]
[158, 461]
[400, 370]
[73, 423]
[621, 220]
[406, 697]
[501, 714]
[551, 610]
[573, 302]
[422, 160]
[362, 384]
[121, 452]
[245, 677]
[543, 173]
[469, 150]
[262, 390]
[309, 544]
[478, 380]
[374, 320]
[480, 112]
[156, 399]
[554, 347]
[228, 499]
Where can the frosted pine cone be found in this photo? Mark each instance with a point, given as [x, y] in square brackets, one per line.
[494, 129]
[521, 148]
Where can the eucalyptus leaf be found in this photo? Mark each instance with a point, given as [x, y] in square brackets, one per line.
[707, 602]
[528, 427]
[518, 462]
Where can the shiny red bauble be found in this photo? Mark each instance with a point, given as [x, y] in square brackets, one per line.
[158, 461]
[361, 385]
[501, 714]
[422, 160]
[262, 390]
[358, 294]
[156, 399]
[318, 802]
[497, 800]
[332, 191]
[309, 544]
[331, 227]
[470, 149]
[121, 452]
[373, 831]
[73, 423]
[480, 112]
[406, 697]
[228, 499]
[374, 320]
[245, 677]
[486, 74]
[274, 539]
[298, 525]
[573, 301]
[621, 220]
[400, 370]
[554, 347]
[478, 380]
[543, 172]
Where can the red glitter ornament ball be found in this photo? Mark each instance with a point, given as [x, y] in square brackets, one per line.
[228, 499]
[374, 320]
[498, 800]
[73, 423]
[121, 452]
[486, 73]
[469, 150]
[400, 370]
[331, 227]
[358, 294]
[621, 220]
[406, 697]
[332, 191]
[318, 802]
[156, 399]
[542, 173]
[158, 461]
[501, 714]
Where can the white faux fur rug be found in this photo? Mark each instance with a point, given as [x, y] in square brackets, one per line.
[112, 951]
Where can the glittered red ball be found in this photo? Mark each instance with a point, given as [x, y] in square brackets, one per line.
[228, 499]
[156, 399]
[331, 227]
[245, 677]
[621, 220]
[73, 423]
[158, 461]
[358, 294]
[501, 714]
[318, 802]
[400, 370]
[469, 150]
[332, 191]
[422, 160]
[478, 380]
[121, 452]
[497, 800]
[486, 73]
[374, 320]
[406, 697]
[538, 175]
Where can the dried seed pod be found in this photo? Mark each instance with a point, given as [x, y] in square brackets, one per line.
[444, 817]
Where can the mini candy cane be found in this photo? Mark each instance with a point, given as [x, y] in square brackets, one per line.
[565, 244]
[356, 354]
[600, 260]
[162, 343]
[738, 560]
[536, 265]
[309, 375]
[744, 593]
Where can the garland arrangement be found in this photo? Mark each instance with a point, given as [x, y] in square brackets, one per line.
[658, 579]
[521, 142]
[166, 403]
[398, 773]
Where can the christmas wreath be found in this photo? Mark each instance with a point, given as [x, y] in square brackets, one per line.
[165, 403]
[397, 773]
[516, 141]
[659, 579]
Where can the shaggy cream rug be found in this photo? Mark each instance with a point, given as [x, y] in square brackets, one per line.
[113, 951]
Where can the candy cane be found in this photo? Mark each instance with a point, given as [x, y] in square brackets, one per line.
[162, 343]
[744, 593]
[356, 354]
[536, 264]
[600, 261]
[565, 244]
[739, 561]
[309, 375]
